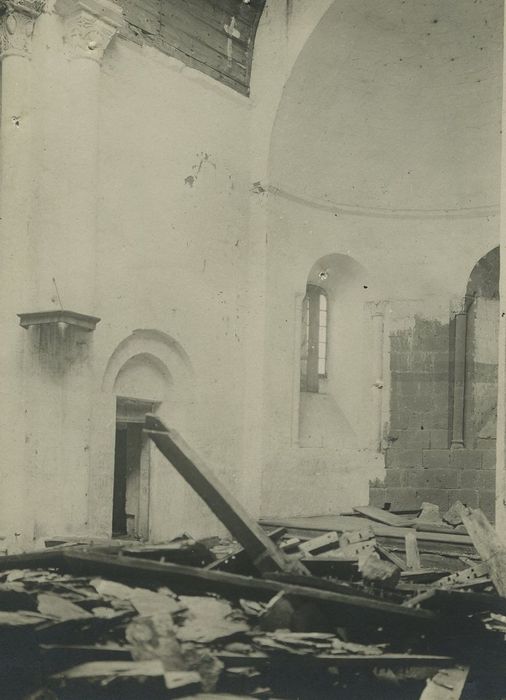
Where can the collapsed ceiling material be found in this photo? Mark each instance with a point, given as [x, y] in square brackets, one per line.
[407, 605]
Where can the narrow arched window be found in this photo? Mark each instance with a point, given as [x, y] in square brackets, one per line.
[313, 366]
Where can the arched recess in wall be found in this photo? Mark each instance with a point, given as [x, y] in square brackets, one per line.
[165, 350]
[335, 357]
[148, 372]
[152, 362]
[482, 303]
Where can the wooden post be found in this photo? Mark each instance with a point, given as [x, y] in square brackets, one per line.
[192, 467]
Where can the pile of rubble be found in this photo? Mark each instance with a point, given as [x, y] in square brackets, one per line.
[404, 605]
[183, 620]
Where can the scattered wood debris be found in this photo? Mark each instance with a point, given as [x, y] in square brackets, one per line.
[406, 606]
[99, 623]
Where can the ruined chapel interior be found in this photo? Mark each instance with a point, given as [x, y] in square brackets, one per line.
[251, 284]
[282, 238]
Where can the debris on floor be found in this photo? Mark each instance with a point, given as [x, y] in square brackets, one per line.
[402, 605]
[106, 622]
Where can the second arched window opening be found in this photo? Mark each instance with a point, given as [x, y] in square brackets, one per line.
[314, 344]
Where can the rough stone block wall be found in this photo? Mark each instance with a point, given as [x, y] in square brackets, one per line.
[420, 465]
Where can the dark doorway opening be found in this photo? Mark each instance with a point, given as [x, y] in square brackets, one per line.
[130, 508]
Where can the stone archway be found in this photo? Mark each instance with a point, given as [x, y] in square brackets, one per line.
[148, 370]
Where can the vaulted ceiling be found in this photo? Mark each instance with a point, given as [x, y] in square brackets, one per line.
[395, 104]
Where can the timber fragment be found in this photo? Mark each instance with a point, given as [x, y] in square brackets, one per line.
[447, 684]
[320, 544]
[472, 576]
[192, 467]
[412, 554]
[488, 545]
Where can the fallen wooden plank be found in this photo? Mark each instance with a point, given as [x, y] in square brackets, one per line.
[68, 540]
[387, 660]
[468, 576]
[391, 556]
[321, 543]
[341, 523]
[488, 545]
[423, 575]
[193, 554]
[397, 545]
[435, 551]
[46, 558]
[192, 467]
[356, 536]
[185, 579]
[384, 516]
[422, 526]
[356, 551]
[447, 684]
[335, 585]
[462, 603]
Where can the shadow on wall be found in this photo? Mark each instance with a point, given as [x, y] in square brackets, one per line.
[333, 357]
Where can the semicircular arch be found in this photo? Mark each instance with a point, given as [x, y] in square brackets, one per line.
[167, 354]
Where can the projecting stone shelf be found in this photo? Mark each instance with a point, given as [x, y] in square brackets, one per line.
[71, 318]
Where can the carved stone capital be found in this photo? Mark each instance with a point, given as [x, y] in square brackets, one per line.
[17, 18]
[89, 26]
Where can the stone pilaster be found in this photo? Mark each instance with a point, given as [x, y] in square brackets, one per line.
[17, 20]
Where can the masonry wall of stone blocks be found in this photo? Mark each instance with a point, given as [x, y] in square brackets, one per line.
[421, 464]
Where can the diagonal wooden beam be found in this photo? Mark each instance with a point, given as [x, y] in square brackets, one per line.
[354, 609]
[191, 466]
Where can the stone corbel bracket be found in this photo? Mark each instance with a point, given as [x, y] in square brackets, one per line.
[17, 19]
[89, 26]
